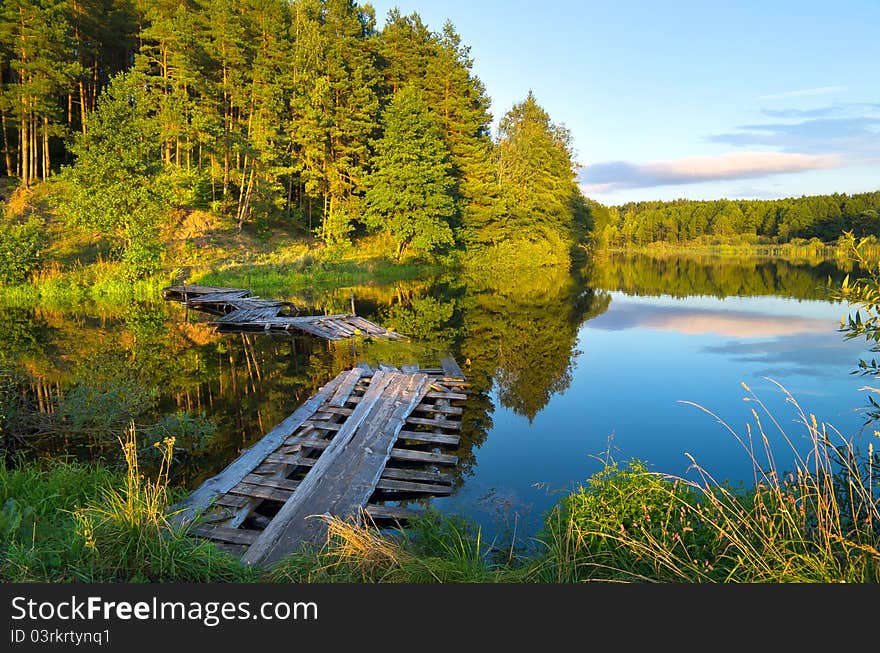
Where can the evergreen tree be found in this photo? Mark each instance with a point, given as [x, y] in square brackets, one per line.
[37, 37]
[410, 189]
[536, 177]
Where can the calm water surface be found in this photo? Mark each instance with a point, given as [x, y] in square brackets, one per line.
[569, 369]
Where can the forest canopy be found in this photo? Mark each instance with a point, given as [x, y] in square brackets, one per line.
[299, 112]
[306, 114]
[824, 217]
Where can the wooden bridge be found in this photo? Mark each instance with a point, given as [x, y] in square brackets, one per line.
[366, 441]
[238, 310]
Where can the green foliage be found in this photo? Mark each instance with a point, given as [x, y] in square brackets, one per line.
[539, 200]
[21, 249]
[823, 217]
[115, 185]
[863, 295]
[409, 192]
[72, 523]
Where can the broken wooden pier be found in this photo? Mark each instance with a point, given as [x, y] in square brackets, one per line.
[364, 443]
[238, 310]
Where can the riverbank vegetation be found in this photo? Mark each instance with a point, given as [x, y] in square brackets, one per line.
[295, 147]
[296, 122]
[816, 522]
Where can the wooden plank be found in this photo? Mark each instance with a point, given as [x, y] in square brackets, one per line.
[411, 368]
[261, 492]
[346, 387]
[408, 486]
[306, 443]
[450, 367]
[439, 423]
[231, 501]
[439, 407]
[432, 438]
[232, 535]
[249, 459]
[388, 368]
[345, 412]
[290, 459]
[406, 474]
[194, 290]
[283, 483]
[267, 469]
[410, 455]
[453, 382]
[345, 476]
[446, 395]
[375, 511]
[326, 425]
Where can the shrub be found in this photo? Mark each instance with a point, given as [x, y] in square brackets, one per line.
[21, 248]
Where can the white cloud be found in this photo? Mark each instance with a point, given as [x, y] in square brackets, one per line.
[612, 175]
[804, 92]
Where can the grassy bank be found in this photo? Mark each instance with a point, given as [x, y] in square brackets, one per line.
[818, 522]
[106, 285]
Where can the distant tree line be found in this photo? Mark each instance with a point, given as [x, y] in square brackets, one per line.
[824, 217]
[302, 111]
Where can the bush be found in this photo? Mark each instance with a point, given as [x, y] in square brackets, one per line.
[21, 248]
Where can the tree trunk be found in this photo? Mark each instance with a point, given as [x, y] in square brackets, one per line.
[47, 163]
[7, 153]
[25, 144]
[35, 151]
[245, 206]
[82, 106]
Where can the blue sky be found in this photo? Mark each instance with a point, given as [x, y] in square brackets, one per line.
[688, 99]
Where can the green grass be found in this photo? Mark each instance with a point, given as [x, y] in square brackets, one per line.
[280, 280]
[818, 522]
[66, 522]
[103, 284]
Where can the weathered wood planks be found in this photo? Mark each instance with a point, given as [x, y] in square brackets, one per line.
[352, 446]
[238, 310]
[249, 459]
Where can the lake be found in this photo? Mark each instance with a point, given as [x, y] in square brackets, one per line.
[569, 369]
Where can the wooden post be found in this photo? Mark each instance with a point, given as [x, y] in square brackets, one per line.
[351, 297]
[185, 305]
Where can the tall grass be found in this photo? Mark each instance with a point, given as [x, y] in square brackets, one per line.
[106, 528]
[103, 283]
[431, 550]
[817, 522]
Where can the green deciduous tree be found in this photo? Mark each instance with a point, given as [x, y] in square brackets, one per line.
[536, 178]
[116, 185]
[410, 189]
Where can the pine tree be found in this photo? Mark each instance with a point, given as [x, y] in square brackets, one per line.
[536, 175]
[334, 108]
[440, 66]
[410, 189]
[37, 37]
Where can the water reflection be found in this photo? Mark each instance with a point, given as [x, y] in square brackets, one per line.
[558, 361]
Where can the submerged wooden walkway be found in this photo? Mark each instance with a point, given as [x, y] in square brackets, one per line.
[238, 310]
[367, 438]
